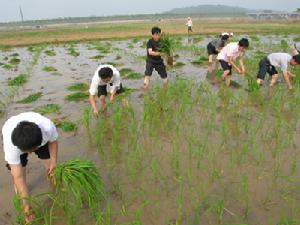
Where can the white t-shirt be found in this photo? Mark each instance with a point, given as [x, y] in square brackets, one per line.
[96, 81]
[281, 60]
[189, 23]
[230, 50]
[11, 152]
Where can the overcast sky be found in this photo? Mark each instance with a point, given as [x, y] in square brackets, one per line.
[45, 9]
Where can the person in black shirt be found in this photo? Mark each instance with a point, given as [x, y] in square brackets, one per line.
[154, 58]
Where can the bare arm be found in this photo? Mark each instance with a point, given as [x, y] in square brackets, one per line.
[287, 79]
[153, 53]
[113, 93]
[18, 174]
[93, 103]
[242, 65]
[53, 149]
[230, 61]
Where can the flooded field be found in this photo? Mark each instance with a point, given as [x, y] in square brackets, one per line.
[194, 153]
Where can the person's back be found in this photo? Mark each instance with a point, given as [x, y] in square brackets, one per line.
[280, 60]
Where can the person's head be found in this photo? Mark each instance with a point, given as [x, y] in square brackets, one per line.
[27, 136]
[105, 74]
[189, 18]
[243, 44]
[295, 60]
[224, 37]
[156, 33]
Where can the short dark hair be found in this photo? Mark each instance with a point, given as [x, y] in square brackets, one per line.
[105, 72]
[244, 43]
[26, 136]
[297, 58]
[155, 30]
[224, 37]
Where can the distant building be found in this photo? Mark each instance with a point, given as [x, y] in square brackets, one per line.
[269, 15]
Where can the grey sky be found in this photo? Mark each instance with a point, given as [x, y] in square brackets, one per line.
[45, 9]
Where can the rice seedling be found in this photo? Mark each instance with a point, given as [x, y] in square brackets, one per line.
[14, 61]
[97, 57]
[78, 96]
[168, 46]
[78, 87]
[130, 74]
[50, 52]
[8, 66]
[72, 51]
[30, 98]
[179, 64]
[200, 61]
[284, 45]
[77, 182]
[67, 126]
[17, 81]
[49, 108]
[49, 69]
[15, 55]
[118, 57]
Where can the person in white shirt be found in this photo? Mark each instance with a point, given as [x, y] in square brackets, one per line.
[229, 54]
[23, 134]
[106, 77]
[277, 60]
[189, 24]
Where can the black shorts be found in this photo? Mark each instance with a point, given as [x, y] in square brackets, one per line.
[190, 29]
[226, 66]
[211, 50]
[266, 67]
[159, 67]
[42, 153]
[102, 89]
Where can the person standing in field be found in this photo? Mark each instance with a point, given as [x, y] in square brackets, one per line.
[189, 25]
[228, 55]
[106, 77]
[277, 60]
[215, 46]
[154, 59]
[24, 134]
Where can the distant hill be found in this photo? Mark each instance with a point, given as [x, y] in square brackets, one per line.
[209, 9]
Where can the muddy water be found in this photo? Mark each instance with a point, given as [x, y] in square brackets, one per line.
[71, 70]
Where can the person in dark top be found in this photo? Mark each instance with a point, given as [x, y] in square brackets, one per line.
[215, 46]
[154, 58]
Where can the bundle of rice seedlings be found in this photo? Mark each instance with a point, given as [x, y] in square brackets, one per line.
[252, 84]
[77, 183]
[168, 46]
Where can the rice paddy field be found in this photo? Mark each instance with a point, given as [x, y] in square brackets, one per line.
[194, 153]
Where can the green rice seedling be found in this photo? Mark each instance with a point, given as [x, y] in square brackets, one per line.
[197, 39]
[49, 108]
[78, 87]
[130, 74]
[17, 81]
[8, 66]
[72, 51]
[254, 38]
[135, 40]
[50, 69]
[15, 55]
[102, 48]
[30, 98]
[78, 96]
[284, 45]
[245, 194]
[77, 182]
[31, 49]
[14, 61]
[296, 39]
[179, 64]
[67, 126]
[118, 57]
[20, 215]
[200, 61]
[168, 45]
[252, 84]
[50, 52]
[97, 57]
[110, 63]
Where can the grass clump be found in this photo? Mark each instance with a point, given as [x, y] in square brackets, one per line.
[130, 74]
[97, 57]
[67, 126]
[77, 182]
[7, 66]
[179, 64]
[14, 61]
[78, 96]
[18, 80]
[72, 51]
[49, 69]
[49, 108]
[78, 87]
[30, 98]
[50, 52]
[200, 61]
